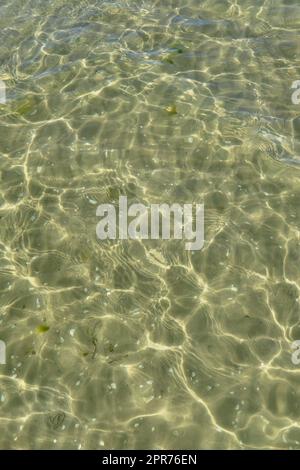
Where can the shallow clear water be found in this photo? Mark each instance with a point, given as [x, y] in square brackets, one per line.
[142, 344]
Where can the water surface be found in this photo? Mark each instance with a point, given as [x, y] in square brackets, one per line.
[142, 344]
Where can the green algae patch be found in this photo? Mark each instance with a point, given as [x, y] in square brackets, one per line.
[168, 59]
[41, 329]
[177, 49]
[25, 107]
[172, 110]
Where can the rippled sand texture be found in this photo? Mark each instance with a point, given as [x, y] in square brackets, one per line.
[134, 344]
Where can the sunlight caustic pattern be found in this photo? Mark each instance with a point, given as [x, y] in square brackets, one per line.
[130, 344]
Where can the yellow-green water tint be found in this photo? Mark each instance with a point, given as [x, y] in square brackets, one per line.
[149, 346]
